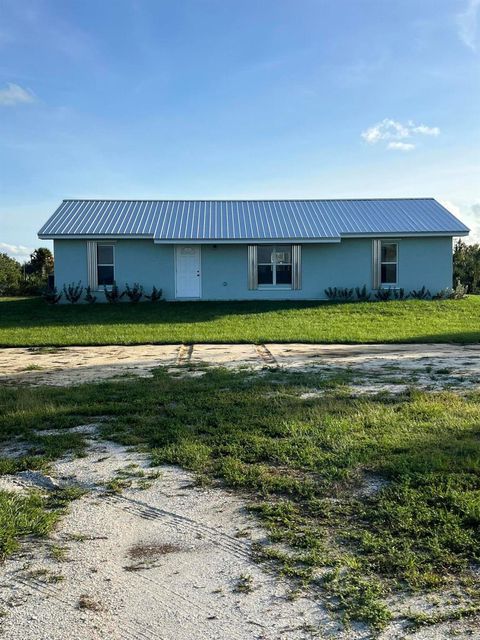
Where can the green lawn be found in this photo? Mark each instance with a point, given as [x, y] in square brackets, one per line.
[31, 322]
[362, 498]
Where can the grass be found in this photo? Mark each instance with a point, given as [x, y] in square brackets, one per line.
[31, 322]
[305, 464]
[23, 515]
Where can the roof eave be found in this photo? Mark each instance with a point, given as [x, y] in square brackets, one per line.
[408, 234]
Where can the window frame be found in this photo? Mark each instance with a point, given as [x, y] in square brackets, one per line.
[105, 264]
[385, 262]
[273, 264]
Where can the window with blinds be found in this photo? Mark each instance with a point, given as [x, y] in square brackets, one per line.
[274, 266]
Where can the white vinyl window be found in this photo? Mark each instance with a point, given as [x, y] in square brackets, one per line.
[105, 264]
[388, 263]
[274, 265]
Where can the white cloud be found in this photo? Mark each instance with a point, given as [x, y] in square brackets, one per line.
[15, 94]
[424, 130]
[467, 23]
[17, 251]
[387, 129]
[401, 146]
[469, 214]
[395, 132]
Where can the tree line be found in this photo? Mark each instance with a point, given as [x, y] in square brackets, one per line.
[466, 265]
[29, 278]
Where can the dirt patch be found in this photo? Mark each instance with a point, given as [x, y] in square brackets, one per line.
[375, 368]
[184, 557]
[141, 551]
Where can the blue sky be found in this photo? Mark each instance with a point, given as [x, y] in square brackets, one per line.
[225, 99]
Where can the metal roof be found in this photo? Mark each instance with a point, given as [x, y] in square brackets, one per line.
[243, 220]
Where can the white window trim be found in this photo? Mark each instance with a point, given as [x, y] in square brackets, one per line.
[382, 262]
[252, 269]
[93, 264]
[273, 265]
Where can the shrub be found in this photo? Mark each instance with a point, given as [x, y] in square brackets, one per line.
[362, 294]
[89, 297]
[73, 292]
[339, 294]
[10, 275]
[155, 296]
[382, 295]
[420, 294]
[51, 295]
[460, 290]
[113, 295]
[344, 295]
[34, 285]
[134, 293]
[399, 294]
[448, 293]
[466, 265]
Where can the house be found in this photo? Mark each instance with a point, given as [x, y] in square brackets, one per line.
[253, 249]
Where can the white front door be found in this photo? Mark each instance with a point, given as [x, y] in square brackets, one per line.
[187, 272]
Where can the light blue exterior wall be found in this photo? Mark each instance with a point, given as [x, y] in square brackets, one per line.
[422, 261]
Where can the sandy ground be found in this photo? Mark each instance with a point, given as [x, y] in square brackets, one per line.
[160, 563]
[377, 367]
[197, 546]
[164, 561]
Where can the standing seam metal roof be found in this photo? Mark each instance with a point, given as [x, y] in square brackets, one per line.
[242, 220]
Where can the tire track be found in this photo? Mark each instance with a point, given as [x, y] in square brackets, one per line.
[200, 607]
[266, 355]
[184, 354]
[228, 543]
[133, 632]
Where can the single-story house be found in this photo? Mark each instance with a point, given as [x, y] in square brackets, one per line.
[253, 249]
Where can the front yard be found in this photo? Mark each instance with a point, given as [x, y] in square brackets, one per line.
[31, 322]
[372, 503]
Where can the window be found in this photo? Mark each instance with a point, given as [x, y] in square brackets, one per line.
[389, 263]
[105, 264]
[274, 265]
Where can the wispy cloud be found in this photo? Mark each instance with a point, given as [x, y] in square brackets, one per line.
[401, 146]
[395, 133]
[17, 251]
[467, 22]
[15, 94]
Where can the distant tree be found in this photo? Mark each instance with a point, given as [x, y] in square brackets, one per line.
[40, 263]
[10, 275]
[466, 265]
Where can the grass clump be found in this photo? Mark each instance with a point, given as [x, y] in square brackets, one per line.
[23, 515]
[421, 619]
[359, 596]
[244, 584]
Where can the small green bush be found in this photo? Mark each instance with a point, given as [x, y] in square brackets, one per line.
[51, 295]
[421, 294]
[362, 294]
[89, 297]
[73, 292]
[155, 296]
[382, 295]
[113, 295]
[134, 293]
